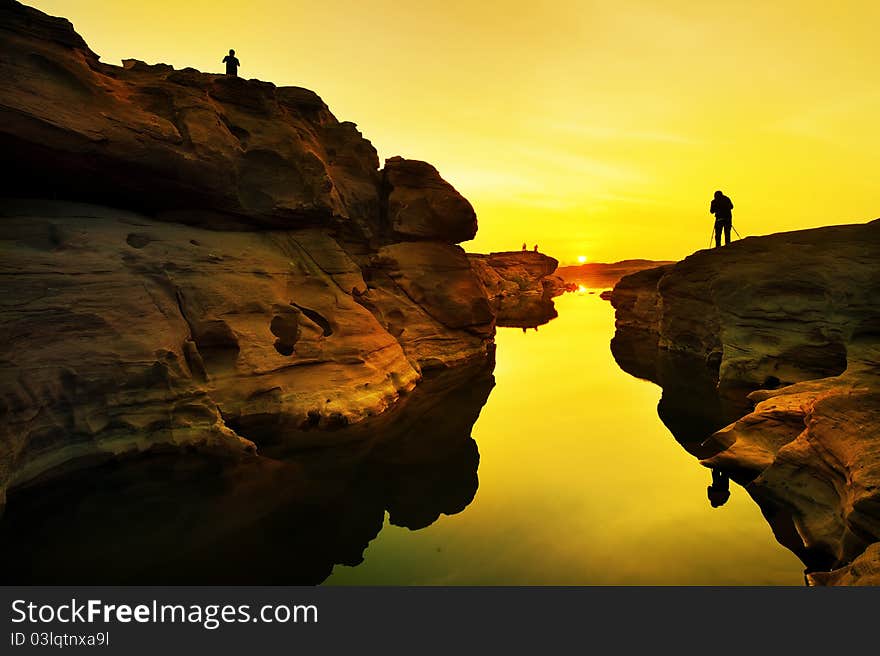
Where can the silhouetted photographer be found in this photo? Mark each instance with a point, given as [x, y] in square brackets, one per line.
[232, 63]
[722, 208]
[719, 491]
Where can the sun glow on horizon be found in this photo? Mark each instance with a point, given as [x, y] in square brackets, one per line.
[582, 259]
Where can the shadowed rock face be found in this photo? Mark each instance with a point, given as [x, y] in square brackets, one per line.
[419, 204]
[520, 286]
[416, 287]
[125, 332]
[274, 517]
[864, 570]
[243, 277]
[210, 150]
[783, 333]
[231, 338]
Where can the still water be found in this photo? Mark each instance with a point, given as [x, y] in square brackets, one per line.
[579, 483]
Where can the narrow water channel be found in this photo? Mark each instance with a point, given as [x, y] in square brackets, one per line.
[579, 483]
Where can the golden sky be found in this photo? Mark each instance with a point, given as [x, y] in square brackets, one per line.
[594, 128]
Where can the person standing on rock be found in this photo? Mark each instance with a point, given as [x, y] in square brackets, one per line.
[232, 63]
[721, 207]
[719, 491]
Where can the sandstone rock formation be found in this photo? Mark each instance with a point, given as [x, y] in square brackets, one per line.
[864, 570]
[199, 148]
[417, 288]
[207, 149]
[785, 331]
[267, 518]
[520, 286]
[194, 263]
[420, 204]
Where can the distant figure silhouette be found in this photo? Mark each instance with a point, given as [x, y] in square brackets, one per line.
[525, 248]
[535, 248]
[232, 63]
[719, 491]
[721, 207]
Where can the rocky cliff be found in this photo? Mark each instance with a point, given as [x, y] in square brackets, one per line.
[271, 518]
[773, 344]
[200, 262]
[520, 286]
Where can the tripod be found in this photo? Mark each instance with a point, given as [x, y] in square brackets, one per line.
[712, 233]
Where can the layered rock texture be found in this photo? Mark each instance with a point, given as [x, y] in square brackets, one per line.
[419, 204]
[166, 517]
[520, 286]
[196, 263]
[187, 146]
[785, 330]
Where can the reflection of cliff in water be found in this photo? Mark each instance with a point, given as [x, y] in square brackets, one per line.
[693, 407]
[167, 518]
[525, 312]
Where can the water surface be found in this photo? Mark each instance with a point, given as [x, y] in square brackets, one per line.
[579, 483]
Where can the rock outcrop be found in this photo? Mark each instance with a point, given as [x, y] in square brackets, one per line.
[864, 570]
[269, 518]
[786, 332]
[196, 262]
[207, 149]
[420, 204]
[520, 286]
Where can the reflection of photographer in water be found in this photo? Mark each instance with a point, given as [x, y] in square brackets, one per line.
[719, 491]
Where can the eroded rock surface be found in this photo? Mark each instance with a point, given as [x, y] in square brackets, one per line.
[429, 298]
[419, 204]
[864, 570]
[268, 518]
[207, 149]
[126, 332]
[788, 324]
[199, 262]
[221, 321]
[520, 286]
